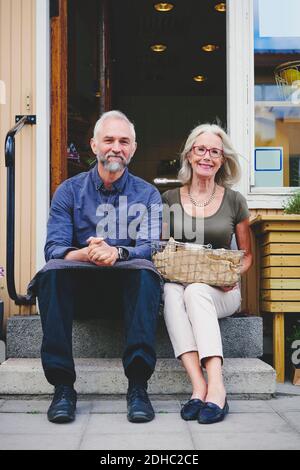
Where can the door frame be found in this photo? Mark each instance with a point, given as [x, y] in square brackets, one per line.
[43, 128]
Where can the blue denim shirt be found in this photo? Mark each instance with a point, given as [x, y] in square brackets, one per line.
[81, 207]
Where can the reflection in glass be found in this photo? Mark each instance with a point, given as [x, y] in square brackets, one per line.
[84, 88]
[277, 92]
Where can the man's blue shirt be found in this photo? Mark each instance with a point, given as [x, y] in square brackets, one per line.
[81, 208]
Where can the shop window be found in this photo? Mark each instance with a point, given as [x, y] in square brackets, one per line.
[276, 162]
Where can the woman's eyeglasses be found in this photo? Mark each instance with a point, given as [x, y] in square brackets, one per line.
[200, 151]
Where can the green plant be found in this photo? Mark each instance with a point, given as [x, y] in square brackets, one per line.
[292, 205]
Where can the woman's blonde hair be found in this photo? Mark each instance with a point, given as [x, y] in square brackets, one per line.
[230, 171]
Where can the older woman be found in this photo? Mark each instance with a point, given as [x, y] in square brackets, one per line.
[210, 213]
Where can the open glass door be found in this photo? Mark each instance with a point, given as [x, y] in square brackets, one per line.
[80, 82]
[88, 78]
[58, 14]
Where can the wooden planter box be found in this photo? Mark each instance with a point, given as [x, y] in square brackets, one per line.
[278, 238]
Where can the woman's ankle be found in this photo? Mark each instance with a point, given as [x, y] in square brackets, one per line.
[216, 394]
[199, 393]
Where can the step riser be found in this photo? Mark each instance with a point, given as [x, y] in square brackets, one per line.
[249, 377]
[242, 337]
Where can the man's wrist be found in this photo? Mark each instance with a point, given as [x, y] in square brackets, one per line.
[77, 255]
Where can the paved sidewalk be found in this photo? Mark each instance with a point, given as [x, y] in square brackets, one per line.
[101, 424]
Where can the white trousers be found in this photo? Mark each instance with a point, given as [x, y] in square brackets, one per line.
[191, 314]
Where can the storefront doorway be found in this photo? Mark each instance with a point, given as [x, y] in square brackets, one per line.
[165, 69]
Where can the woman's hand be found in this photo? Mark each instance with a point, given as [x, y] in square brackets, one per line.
[227, 288]
[242, 232]
[243, 239]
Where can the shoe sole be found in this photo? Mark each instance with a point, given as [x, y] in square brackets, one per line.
[217, 420]
[211, 421]
[61, 418]
[139, 418]
[189, 419]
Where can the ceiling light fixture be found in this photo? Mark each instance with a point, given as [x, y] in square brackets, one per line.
[221, 7]
[199, 78]
[164, 7]
[158, 47]
[210, 48]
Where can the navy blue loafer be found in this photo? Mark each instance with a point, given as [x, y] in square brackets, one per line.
[212, 413]
[190, 409]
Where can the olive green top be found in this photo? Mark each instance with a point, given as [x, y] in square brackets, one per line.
[216, 229]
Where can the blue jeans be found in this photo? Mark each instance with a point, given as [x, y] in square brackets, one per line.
[67, 294]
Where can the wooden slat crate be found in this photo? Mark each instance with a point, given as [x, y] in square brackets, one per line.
[280, 284]
[281, 249]
[280, 272]
[280, 260]
[279, 237]
[279, 243]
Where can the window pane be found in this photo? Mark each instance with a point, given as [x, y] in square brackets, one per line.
[277, 93]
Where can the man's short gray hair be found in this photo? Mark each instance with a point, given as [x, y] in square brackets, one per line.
[230, 171]
[114, 115]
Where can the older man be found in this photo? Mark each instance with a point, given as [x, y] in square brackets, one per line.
[92, 224]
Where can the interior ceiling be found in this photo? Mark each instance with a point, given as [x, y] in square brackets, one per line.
[135, 25]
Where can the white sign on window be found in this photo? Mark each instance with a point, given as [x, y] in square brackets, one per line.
[268, 165]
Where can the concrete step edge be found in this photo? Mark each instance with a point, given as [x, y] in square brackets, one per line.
[106, 376]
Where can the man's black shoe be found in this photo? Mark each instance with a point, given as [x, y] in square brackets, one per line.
[139, 408]
[63, 406]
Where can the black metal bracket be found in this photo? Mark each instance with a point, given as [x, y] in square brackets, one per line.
[30, 119]
[21, 121]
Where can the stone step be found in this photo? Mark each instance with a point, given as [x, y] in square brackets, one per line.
[103, 337]
[248, 378]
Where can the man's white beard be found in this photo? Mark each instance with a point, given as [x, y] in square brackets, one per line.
[113, 167]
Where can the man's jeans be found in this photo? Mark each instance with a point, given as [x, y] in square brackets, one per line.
[67, 294]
